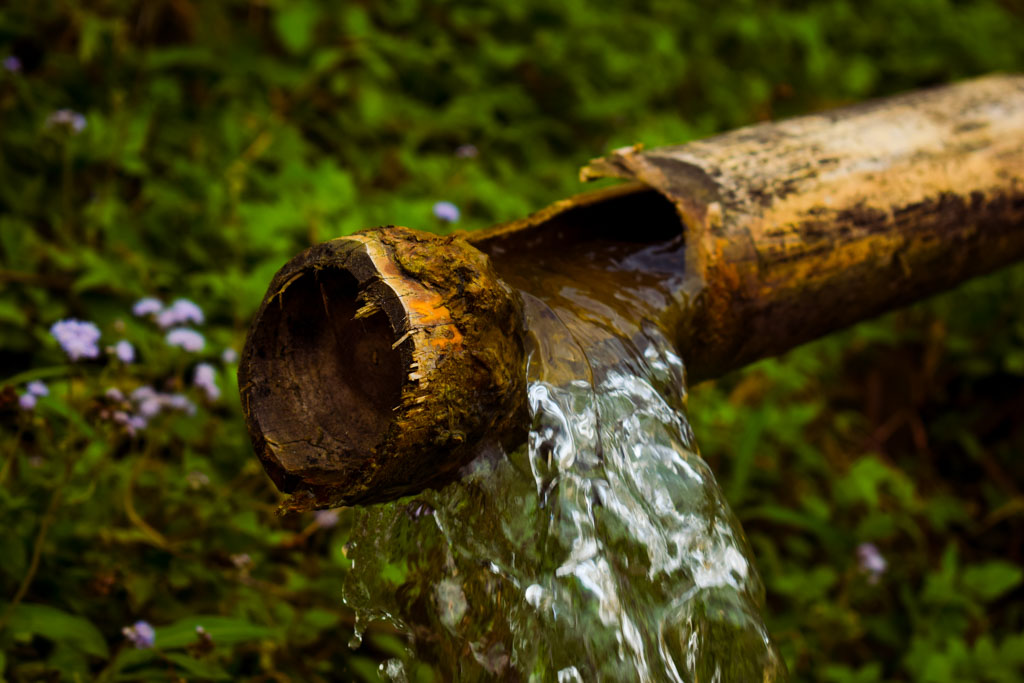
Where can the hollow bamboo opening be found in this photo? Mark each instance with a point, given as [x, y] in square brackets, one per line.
[332, 369]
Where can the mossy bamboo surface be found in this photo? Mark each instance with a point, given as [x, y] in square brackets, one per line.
[380, 363]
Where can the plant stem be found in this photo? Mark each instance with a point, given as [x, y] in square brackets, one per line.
[9, 460]
[37, 546]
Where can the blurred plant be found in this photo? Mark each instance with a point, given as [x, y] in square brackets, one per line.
[188, 149]
[876, 473]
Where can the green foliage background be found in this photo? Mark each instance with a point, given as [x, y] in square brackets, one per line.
[222, 138]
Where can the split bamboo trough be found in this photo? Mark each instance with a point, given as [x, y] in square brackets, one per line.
[380, 363]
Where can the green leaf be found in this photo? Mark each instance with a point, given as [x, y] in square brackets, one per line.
[295, 23]
[58, 626]
[181, 634]
[990, 580]
[14, 243]
[223, 631]
[12, 549]
[320, 619]
[199, 668]
[61, 408]
[38, 373]
[843, 674]
[12, 313]
[743, 458]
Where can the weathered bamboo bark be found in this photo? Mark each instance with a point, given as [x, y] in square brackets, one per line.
[379, 363]
[805, 226]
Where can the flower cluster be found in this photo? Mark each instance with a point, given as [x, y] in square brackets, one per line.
[12, 64]
[67, 118]
[78, 338]
[147, 306]
[447, 212]
[206, 379]
[141, 634]
[33, 392]
[149, 402]
[871, 562]
[124, 351]
[136, 410]
[181, 312]
[186, 338]
[325, 519]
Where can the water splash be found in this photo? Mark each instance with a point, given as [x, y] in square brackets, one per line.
[601, 550]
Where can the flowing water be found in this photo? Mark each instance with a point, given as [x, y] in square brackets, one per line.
[602, 549]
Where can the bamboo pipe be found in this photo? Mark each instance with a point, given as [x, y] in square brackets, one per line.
[380, 363]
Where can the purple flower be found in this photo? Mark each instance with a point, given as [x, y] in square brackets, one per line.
[150, 407]
[147, 306]
[446, 211]
[124, 351]
[205, 378]
[325, 519]
[871, 561]
[27, 401]
[190, 340]
[114, 394]
[229, 356]
[12, 64]
[466, 151]
[142, 393]
[179, 402]
[131, 423]
[148, 404]
[78, 338]
[182, 311]
[37, 388]
[204, 374]
[68, 119]
[141, 634]
[188, 311]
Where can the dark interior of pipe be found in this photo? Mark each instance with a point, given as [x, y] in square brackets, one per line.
[643, 217]
[331, 374]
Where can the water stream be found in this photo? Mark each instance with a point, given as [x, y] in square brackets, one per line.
[603, 549]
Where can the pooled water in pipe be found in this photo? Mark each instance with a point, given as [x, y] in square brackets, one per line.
[603, 549]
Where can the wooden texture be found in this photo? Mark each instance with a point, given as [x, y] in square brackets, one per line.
[382, 362]
[798, 228]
